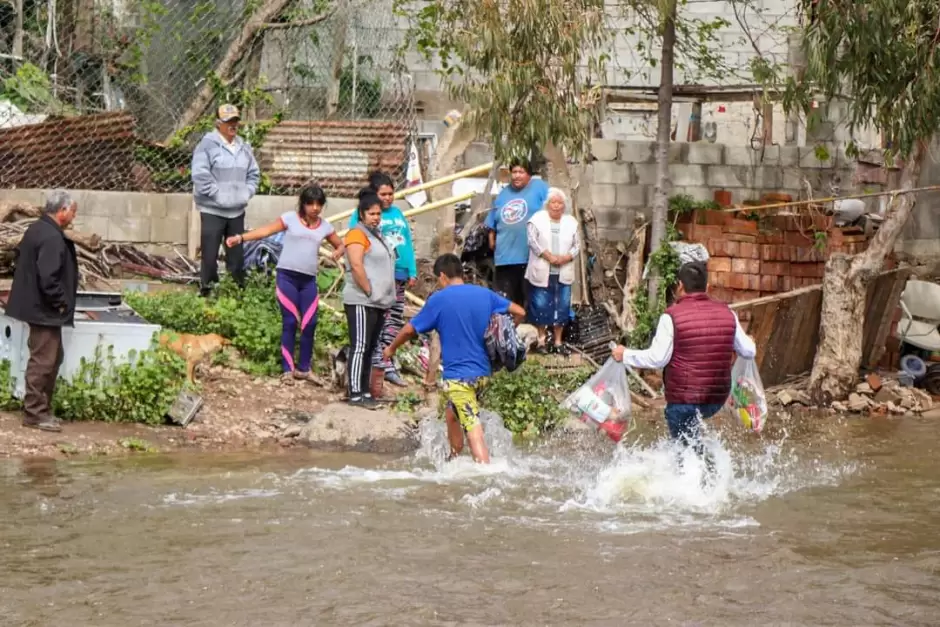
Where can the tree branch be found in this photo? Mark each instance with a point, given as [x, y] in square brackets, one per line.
[310, 21]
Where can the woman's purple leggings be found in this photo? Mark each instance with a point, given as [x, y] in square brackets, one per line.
[297, 295]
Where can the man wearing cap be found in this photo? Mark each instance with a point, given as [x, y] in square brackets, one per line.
[225, 177]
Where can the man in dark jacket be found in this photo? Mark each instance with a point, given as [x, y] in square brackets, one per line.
[694, 345]
[45, 285]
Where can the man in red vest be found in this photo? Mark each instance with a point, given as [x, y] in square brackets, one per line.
[694, 345]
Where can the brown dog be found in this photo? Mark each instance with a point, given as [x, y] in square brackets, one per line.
[193, 348]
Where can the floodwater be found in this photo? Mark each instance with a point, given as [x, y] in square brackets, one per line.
[836, 522]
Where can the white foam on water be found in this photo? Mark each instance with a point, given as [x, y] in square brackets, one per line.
[215, 497]
[573, 481]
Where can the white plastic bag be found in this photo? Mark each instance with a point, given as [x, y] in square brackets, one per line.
[748, 401]
[605, 397]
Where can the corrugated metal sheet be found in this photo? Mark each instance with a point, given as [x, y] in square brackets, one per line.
[336, 155]
[87, 151]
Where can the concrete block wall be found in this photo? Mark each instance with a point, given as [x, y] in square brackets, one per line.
[621, 179]
[163, 219]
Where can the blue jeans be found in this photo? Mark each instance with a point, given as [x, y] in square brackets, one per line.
[551, 305]
[685, 421]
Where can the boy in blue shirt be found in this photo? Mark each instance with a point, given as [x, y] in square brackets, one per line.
[507, 222]
[460, 314]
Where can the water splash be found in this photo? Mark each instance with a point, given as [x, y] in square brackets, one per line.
[435, 447]
[577, 479]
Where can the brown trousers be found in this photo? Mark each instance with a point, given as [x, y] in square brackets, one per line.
[42, 370]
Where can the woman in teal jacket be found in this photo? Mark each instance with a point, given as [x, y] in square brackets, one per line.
[396, 231]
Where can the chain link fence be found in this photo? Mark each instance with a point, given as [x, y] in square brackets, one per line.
[113, 94]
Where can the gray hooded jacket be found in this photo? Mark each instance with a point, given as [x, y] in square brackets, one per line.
[224, 179]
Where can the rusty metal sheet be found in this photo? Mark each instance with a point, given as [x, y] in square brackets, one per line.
[336, 155]
[86, 152]
[785, 327]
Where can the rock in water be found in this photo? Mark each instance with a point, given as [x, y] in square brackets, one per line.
[858, 403]
[341, 427]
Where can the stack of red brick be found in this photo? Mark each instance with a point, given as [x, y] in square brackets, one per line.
[750, 258]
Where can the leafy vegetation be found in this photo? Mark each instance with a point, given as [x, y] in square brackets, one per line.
[169, 165]
[137, 445]
[30, 90]
[142, 390]
[665, 259]
[527, 70]
[528, 399]
[7, 401]
[250, 318]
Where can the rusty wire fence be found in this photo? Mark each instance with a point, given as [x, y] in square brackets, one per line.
[113, 94]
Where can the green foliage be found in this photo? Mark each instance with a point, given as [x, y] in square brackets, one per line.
[407, 402]
[528, 399]
[884, 53]
[141, 390]
[7, 401]
[249, 317]
[528, 70]
[31, 91]
[698, 44]
[666, 260]
[367, 102]
[169, 165]
[137, 445]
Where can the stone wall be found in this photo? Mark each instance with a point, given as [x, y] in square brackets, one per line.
[620, 181]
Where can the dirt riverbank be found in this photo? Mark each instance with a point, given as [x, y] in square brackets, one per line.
[241, 412]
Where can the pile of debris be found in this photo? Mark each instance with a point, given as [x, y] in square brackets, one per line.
[872, 396]
[98, 262]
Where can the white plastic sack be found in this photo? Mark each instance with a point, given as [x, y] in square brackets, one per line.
[605, 396]
[748, 401]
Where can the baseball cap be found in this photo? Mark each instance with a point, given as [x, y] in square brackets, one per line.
[228, 112]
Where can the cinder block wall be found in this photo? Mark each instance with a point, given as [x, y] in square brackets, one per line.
[163, 219]
[621, 179]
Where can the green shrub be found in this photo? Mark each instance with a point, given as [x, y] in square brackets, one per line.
[249, 317]
[528, 399]
[141, 390]
[7, 401]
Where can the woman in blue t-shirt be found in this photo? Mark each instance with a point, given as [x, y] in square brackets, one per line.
[507, 221]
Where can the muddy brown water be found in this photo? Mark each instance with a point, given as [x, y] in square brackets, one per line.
[834, 523]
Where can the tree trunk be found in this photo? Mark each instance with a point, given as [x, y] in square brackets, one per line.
[663, 133]
[226, 67]
[634, 277]
[842, 322]
[18, 30]
[450, 149]
[337, 57]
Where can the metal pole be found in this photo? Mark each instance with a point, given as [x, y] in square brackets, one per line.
[355, 72]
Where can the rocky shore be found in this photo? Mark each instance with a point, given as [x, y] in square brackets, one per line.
[241, 412]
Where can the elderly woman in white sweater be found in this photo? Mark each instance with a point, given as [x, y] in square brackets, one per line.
[553, 246]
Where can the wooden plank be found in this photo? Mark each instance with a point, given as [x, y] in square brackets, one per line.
[193, 232]
[785, 326]
[886, 295]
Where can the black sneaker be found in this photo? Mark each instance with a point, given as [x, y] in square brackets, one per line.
[366, 402]
[561, 349]
[45, 424]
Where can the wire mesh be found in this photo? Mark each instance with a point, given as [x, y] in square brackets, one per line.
[114, 94]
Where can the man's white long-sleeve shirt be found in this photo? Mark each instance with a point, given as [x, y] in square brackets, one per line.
[657, 356]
